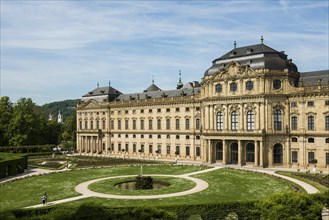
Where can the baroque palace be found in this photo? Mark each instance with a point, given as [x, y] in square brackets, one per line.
[252, 107]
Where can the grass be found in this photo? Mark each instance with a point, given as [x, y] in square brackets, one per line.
[320, 187]
[176, 185]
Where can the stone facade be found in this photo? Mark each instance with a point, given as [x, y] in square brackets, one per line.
[252, 107]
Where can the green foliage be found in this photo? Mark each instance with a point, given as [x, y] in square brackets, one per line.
[27, 149]
[67, 108]
[289, 206]
[12, 164]
[6, 114]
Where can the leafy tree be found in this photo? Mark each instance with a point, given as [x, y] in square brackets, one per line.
[6, 114]
[69, 129]
[26, 126]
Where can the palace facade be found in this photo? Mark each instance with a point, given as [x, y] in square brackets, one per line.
[252, 107]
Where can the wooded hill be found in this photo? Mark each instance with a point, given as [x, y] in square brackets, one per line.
[67, 108]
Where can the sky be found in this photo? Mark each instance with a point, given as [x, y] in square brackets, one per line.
[58, 50]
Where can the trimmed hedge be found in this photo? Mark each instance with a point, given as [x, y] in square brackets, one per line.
[27, 149]
[12, 164]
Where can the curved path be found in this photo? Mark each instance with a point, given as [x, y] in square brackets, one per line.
[200, 185]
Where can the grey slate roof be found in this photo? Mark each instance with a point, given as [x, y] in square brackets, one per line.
[158, 94]
[311, 78]
[107, 90]
[152, 88]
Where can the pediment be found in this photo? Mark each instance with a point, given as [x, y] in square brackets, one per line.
[234, 71]
[91, 104]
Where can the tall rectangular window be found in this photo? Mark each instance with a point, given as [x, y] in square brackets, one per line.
[150, 124]
[177, 123]
[177, 152]
[142, 124]
[311, 157]
[104, 125]
[327, 158]
[86, 124]
[310, 123]
[159, 149]
[187, 151]
[134, 124]
[277, 120]
[197, 124]
[150, 149]
[97, 124]
[127, 148]
[168, 123]
[327, 123]
[119, 124]
[112, 124]
[134, 148]
[234, 120]
[142, 148]
[159, 124]
[126, 124]
[250, 120]
[80, 125]
[294, 156]
[220, 121]
[187, 124]
[294, 123]
[91, 124]
[119, 147]
[198, 151]
[168, 150]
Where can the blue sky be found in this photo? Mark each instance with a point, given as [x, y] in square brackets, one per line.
[57, 50]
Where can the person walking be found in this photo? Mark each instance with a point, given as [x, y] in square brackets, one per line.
[43, 200]
[45, 195]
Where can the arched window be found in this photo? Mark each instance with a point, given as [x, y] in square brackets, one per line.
[250, 152]
[234, 120]
[294, 123]
[277, 120]
[249, 85]
[250, 120]
[294, 139]
[197, 124]
[219, 151]
[177, 124]
[310, 123]
[168, 123]
[277, 84]
[187, 137]
[277, 153]
[219, 88]
[233, 87]
[310, 140]
[187, 124]
[177, 136]
[150, 124]
[220, 121]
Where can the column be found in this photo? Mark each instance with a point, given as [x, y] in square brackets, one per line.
[241, 118]
[226, 118]
[206, 123]
[258, 117]
[211, 115]
[224, 152]
[261, 153]
[256, 144]
[288, 150]
[240, 152]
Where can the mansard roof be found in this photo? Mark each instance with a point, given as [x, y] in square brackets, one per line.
[259, 56]
[159, 94]
[107, 90]
[152, 88]
[312, 78]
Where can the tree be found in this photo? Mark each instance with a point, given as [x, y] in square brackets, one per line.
[26, 126]
[69, 129]
[6, 114]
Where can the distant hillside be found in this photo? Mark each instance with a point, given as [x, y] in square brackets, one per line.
[67, 108]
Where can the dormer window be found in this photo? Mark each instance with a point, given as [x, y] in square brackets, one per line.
[233, 53]
[249, 51]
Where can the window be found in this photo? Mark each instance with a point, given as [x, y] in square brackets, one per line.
[134, 124]
[168, 150]
[142, 111]
[168, 110]
[327, 141]
[126, 111]
[150, 135]
[127, 135]
[294, 123]
[326, 102]
[168, 136]
[134, 111]
[277, 84]
[150, 110]
[150, 124]
[197, 137]
[119, 124]
[327, 123]
[249, 85]
[250, 120]
[197, 124]
[310, 140]
[168, 123]
[91, 124]
[277, 153]
[112, 147]
[220, 121]
[119, 147]
[126, 124]
[177, 124]
[159, 110]
[294, 139]
[104, 124]
[187, 124]
[177, 109]
[134, 148]
[127, 148]
[310, 123]
[310, 103]
[277, 120]
[150, 149]
[198, 151]
[294, 156]
[97, 124]
[80, 125]
[112, 124]
[234, 120]
[158, 151]
[233, 87]
[86, 124]
[187, 109]
[197, 108]
[218, 88]
[177, 152]
[250, 152]
[142, 148]
[142, 135]
[187, 137]
[187, 151]
[311, 158]
[142, 124]
[293, 104]
[134, 135]
[159, 124]
[177, 137]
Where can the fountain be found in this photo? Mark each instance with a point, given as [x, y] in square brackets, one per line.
[143, 182]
